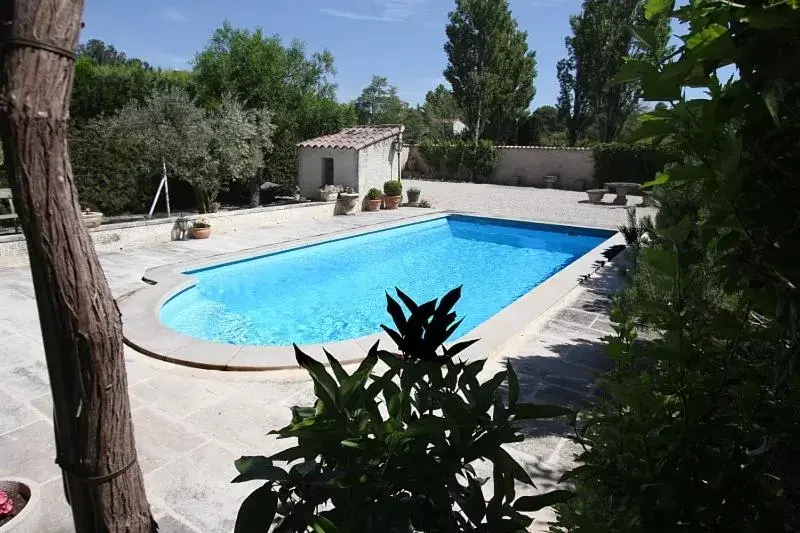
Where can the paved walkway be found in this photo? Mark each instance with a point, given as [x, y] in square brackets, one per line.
[192, 424]
[547, 205]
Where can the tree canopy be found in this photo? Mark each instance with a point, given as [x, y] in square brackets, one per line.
[490, 68]
[602, 37]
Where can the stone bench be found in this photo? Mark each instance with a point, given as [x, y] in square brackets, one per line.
[596, 195]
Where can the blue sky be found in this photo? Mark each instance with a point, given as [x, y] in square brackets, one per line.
[399, 39]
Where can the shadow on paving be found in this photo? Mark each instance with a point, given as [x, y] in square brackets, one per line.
[565, 380]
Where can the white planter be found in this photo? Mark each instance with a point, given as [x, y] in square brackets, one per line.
[328, 196]
[92, 219]
[28, 520]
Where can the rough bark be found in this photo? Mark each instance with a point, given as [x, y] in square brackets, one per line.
[81, 325]
[255, 191]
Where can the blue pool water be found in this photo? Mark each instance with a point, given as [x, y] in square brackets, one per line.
[335, 290]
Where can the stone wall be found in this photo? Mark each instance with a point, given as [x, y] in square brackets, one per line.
[309, 169]
[528, 165]
[116, 237]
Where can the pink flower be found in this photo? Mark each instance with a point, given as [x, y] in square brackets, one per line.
[6, 504]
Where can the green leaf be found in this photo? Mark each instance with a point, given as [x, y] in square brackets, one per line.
[488, 389]
[289, 454]
[577, 471]
[459, 347]
[396, 312]
[257, 511]
[771, 101]
[513, 386]
[531, 411]
[396, 337]
[632, 70]
[646, 35]
[529, 504]
[410, 304]
[449, 301]
[662, 260]
[338, 371]
[360, 376]
[324, 385]
[657, 8]
[257, 467]
[661, 179]
[510, 465]
[321, 524]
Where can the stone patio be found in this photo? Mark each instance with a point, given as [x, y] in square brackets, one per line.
[192, 424]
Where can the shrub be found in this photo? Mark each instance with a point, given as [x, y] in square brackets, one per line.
[697, 427]
[464, 159]
[636, 163]
[393, 188]
[394, 452]
[374, 194]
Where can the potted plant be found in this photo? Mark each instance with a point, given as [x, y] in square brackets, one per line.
[329, 193]
[201, 229]
[348, 198]
[413, 195]
[392, 194]
[19, 506]
[374, 199]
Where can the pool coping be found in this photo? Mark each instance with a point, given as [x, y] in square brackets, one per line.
[145, 333]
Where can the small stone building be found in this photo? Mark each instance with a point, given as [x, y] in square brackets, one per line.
[360, 157]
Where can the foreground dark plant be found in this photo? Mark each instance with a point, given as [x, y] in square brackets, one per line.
[394, 451]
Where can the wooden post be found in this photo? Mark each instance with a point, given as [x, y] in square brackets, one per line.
[80, 322]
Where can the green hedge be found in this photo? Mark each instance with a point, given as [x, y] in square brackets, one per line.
[636, 163]
[466, 160]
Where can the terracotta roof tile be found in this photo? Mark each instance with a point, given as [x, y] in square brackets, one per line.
[355, 138]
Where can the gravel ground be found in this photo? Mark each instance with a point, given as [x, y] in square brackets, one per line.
[547, 205]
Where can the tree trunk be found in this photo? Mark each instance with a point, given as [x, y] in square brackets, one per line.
[255, 191]
[80, 323]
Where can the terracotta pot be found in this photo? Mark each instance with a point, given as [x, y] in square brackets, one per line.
[200, 233]
[391, 202]
[27, 520]
[374, 205]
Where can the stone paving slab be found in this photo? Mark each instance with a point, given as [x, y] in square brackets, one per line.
[191, 424]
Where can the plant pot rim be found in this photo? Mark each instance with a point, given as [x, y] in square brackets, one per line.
[33, 496]
[392, 196]
[202, 225]
[348, 194]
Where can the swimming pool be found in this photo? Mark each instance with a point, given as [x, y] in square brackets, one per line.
[334, 290]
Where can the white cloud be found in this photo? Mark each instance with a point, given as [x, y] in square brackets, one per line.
[357, 16]
[173, 15]
[383, 11]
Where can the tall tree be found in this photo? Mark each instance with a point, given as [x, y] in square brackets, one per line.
[261, 72]
[440, 103]
[542, 127]
[380, 104]
[81, 326]
[601, 39]
[490, 68]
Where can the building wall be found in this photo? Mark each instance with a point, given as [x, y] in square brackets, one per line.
[377, 164]
[310, 178]
[528, 165]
